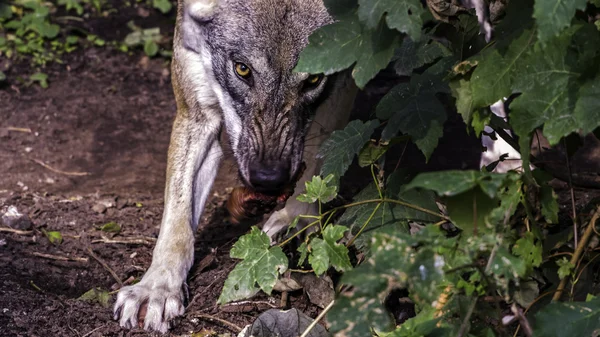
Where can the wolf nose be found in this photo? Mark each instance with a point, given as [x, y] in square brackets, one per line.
[269, 177]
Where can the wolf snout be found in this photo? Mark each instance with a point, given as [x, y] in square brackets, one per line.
[269, 177]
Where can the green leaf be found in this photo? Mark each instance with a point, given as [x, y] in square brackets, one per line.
[150, 48]
[261, 265]
[41, 78]
[394, 263]
[565, 267]
[492, 79]
[327, 252]
[340, 45]
[303, 250]
[339, 149]
[587, 108]
[318, 189]
[450, 183]
[5, 11]
[469, 210]
[527, 249]
[505, 265]
[72, 4]
[403, 15]
[553, 16]
[371, 153]
[461, 90]
[96, 295]
[111, 227]
[413, 55]
[414, 109]
[2, 76]
[162, 5]
[54, 237]
[559, 319]
[545, 80]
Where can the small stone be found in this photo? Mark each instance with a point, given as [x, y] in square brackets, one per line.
[99, 208]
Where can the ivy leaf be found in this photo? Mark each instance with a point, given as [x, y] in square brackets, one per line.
[412, 108]
[394, 263]
[318, 189]
[338, 46]
[303, 250]
[261, 265]
[565, 268]
[528, 250]
[339, 149]
[553, 16]
[327, 252]
[559, 319]
[505, 265]
[403, 15]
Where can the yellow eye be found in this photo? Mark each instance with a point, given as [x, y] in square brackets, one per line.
[242, 70]
[314, 80]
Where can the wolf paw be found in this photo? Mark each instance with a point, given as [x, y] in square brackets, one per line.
[280, 220]
[150, 304]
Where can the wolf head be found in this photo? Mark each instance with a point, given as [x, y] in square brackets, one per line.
[248, 49]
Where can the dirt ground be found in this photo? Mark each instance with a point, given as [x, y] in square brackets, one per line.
[90, 150]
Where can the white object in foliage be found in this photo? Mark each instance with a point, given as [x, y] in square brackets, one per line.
[497, 148]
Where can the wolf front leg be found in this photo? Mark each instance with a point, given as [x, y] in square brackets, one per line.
[194, 156]
[332, 115]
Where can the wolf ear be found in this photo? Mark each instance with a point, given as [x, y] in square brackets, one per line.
[200, 10]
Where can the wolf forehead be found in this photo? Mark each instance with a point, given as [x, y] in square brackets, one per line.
[277, 29]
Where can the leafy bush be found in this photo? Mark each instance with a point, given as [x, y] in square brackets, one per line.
[500, 234]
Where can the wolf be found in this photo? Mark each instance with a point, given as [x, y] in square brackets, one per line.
[232, 69]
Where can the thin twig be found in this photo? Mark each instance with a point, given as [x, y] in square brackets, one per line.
[112, 272]
[316, 321]
[78, 174]
[59, 258]
[578, 252]
[220, 320]
[24, 130]
[139, 241]
[15, 231]
[572, 192]
[91, 332]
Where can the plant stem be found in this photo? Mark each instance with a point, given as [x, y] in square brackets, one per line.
[376, 181]
[316, 321]
[391, 201]
[578, 252]
[364, 226]
[298, 232]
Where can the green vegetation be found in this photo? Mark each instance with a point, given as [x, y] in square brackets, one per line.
[500, 235]
[39, 32]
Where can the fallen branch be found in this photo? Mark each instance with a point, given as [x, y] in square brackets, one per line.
[220, 320]
[106, 266]
[79, 174]
[15, 231]
[59, 258]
